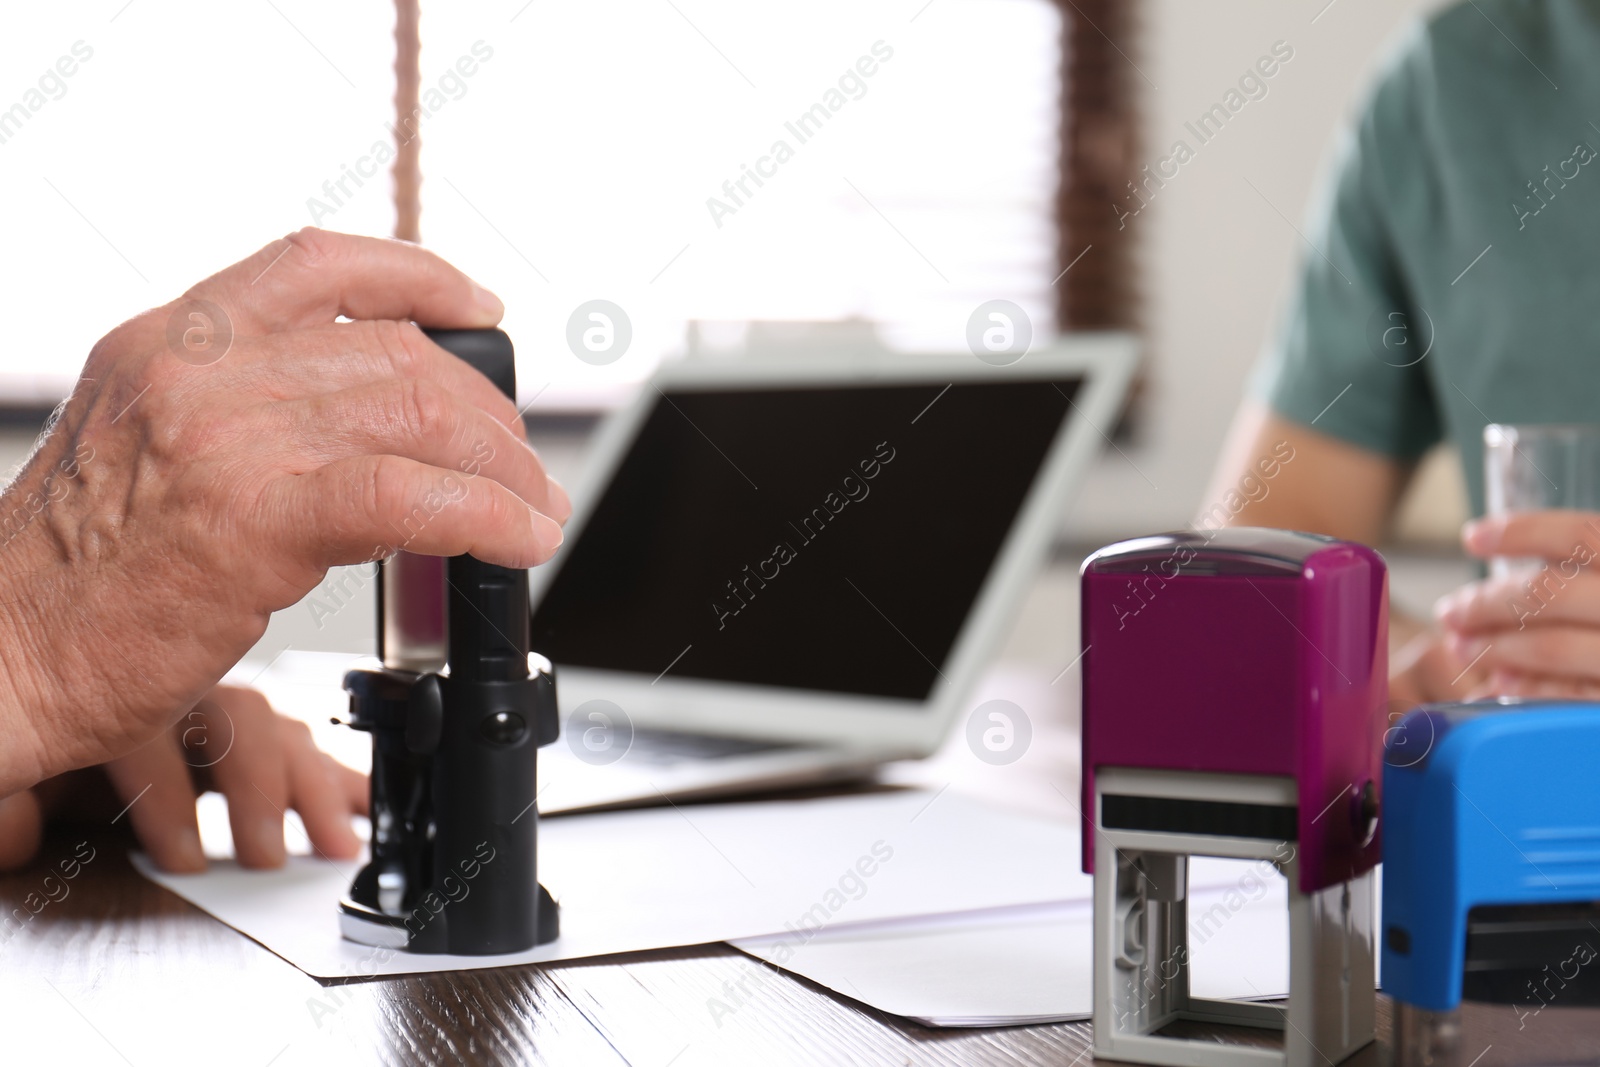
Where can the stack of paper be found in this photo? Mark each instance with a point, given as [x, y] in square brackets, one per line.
[931, 906]
[926, 905]
[686, 875]
[1033, 964]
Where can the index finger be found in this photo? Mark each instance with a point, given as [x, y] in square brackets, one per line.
[1555, 534]
[249, 771]
[1551, 594]
[312, 276]
[160, 795]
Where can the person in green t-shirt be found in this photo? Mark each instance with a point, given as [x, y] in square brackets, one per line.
[1455, 252]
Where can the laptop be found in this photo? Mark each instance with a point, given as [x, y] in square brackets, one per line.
[786, 572]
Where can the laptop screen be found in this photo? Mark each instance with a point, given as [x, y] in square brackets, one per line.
[829, 538]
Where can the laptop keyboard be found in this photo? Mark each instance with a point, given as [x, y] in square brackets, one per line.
[671, 746]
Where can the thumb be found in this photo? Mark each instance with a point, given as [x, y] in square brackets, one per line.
[21, 828]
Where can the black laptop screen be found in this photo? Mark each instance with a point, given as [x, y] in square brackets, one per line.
[828, 538]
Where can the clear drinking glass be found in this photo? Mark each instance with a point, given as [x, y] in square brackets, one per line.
[1530, 468]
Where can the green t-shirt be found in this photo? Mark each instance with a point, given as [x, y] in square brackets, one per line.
[1456, 266]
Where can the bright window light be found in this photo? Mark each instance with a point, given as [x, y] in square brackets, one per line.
[190, 137]
[700, 160]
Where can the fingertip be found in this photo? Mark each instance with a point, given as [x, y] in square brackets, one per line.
[335, 835]
[337, 839]
[1480, 536]
[260, 844]
[547, 535]
[1447, 610]
[178, 851]
[487, 308]
[1466, 650]
[21, 829]
[560, 502]
[1504, 684]
[157, 786]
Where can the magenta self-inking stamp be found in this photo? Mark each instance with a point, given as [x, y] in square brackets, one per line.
[1234, 698]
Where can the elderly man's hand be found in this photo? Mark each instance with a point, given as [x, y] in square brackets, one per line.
[1535, 632]
[217, 456]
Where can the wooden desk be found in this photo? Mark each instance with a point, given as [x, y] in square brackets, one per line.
[120, 971]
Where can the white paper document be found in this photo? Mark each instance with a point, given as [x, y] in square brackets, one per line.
[1034, 963]
[691, 874]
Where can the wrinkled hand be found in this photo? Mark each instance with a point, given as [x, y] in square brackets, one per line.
[217, 456]
[233, 742]
[1536, 632]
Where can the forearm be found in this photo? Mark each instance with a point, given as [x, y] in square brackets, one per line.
[1276, 473]
[39, 641]
[53, 655]
[23, 702]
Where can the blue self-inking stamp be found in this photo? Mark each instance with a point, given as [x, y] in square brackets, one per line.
[1491, 866]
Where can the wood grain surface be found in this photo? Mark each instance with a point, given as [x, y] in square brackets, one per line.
[119, 971]
[115, 970]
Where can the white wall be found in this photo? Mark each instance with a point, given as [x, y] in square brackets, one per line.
[1216, 255]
